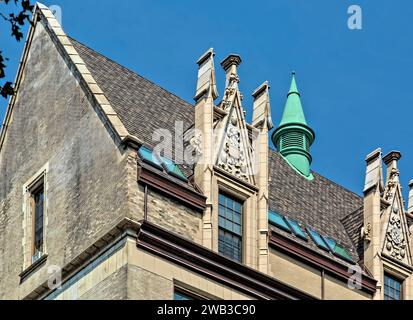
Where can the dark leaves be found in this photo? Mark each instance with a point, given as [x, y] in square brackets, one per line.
[7, 90]
[16, 21]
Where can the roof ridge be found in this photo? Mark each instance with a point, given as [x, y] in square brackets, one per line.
[129, 70]
[186, 102]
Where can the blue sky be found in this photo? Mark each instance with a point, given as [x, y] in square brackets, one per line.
[355, 84]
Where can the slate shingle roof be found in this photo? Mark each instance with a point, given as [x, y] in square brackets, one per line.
[141, 105]
[144, 107]
[320, 203]
[353, 224]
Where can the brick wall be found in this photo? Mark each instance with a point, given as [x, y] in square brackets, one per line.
[173, 216]
[89, 178]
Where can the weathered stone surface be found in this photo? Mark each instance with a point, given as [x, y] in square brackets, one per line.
[145, 285]
[88, 179]
[112, 288]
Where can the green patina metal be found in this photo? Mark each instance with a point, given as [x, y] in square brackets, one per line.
[294, 137]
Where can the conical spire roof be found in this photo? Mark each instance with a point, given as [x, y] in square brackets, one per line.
[293, 111]
[294, 137]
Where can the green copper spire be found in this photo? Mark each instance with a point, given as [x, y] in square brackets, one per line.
[294, 137]
[293, 111]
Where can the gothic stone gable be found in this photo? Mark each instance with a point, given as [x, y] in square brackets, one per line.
[234, 146]
[396, 237]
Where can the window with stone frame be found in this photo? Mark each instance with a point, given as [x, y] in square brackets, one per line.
[392, 288]
[230, 227]
[35, 218]
[184, 292]
[37, 203]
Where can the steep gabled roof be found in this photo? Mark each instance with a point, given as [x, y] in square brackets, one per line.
[141, 105]
[43, 15]
[144, 107]
[135, 106]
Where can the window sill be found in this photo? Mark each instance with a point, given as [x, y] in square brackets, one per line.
[33, 268]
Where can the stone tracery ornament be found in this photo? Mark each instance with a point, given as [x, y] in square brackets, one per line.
[396, 242]
[232, 158]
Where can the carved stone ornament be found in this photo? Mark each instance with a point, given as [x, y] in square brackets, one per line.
[230, 91]
[391, 184]
[395, 240]
[366, 232]
[196, 143]
[232, 158]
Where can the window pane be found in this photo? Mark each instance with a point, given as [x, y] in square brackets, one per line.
[222, 211]
[317, 239]
[181, 296]
[230, 245]
[237, 229]
[38, 197]
[221, 221]
[149, 157]
[229, 214]
[230, 227]
[278, 221]
[229, 203]
[221, 199]
[237, 218]
[392, 288]
[230, 217]
[296, 229]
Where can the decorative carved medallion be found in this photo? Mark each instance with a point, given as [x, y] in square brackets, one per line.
[395, 240]
[232, 158]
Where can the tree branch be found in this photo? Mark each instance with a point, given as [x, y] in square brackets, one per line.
[17, 21]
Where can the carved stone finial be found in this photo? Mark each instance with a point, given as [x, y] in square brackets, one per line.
[392, 156]
[232, 59]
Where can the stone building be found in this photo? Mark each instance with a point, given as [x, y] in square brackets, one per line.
[91, 209]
